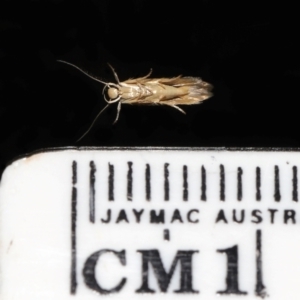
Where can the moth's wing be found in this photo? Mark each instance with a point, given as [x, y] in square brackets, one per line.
[197, 91]
[174, 81]
[131, 81]
[187, 81]
[189, 99]
[139, 80]
[145, 80]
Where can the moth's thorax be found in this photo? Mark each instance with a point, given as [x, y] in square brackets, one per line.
[133, 91]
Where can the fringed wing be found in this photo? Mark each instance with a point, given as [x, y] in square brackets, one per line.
[197, 90]
[145, 80]
[185, 90]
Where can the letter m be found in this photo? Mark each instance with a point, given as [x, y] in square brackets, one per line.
[152, 257]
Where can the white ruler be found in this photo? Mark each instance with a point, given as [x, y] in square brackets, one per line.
[151, 223]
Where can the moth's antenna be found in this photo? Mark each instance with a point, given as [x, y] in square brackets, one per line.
[115, 73]
[93, 123]
[87, 74]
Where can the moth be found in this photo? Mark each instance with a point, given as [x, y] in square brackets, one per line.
[151, 91]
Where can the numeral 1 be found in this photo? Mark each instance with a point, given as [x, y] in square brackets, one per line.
[232, 280]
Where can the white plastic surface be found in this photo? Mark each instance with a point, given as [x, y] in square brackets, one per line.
[42, 256]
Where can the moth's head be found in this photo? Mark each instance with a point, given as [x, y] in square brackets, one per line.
[113, 93]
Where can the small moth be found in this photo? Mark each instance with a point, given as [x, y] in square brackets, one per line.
[151, 91]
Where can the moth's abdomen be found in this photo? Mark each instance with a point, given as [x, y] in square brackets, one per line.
[166, 92]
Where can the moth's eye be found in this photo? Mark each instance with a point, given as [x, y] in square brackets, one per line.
[113, 93]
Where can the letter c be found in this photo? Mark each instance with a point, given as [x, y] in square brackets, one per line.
[189, 216]
[89, 271]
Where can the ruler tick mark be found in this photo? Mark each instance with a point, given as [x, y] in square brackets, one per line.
[111, 175]
[203, 183]
[222, 183]
[73, 283]
[166, 185]
[295, 183]
[277, 195]
[258, 184]
[260, 289]
[239, 184]
[148, 184]
[129, 181]
[74, 172]
[92, 191]
[185, 183]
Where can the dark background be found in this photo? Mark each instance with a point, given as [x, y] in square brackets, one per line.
[248, 50]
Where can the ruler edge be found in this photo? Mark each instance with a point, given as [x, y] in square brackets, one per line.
[146, 148]
[151, 148]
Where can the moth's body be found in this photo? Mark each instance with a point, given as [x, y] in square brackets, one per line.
[162, 91]
[154, 91]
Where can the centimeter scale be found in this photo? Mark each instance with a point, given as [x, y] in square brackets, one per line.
[151, 223]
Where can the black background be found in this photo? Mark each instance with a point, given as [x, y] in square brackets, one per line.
[248, 50]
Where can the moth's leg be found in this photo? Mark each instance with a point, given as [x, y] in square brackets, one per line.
[115, 100]
[178, 108]
[115, 74]
[118, 112]
[150, 72]
[136, 80]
